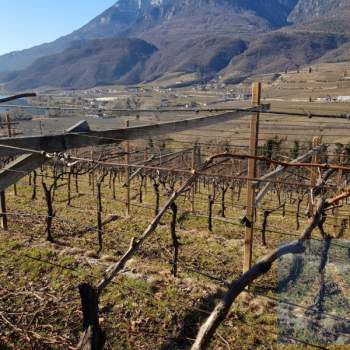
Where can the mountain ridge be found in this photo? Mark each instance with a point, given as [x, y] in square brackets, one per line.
[134, 17]
[209, 36]
[86, 64]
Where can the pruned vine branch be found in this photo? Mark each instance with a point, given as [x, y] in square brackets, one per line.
[220, 312]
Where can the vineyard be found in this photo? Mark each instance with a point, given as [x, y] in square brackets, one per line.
[222, 230]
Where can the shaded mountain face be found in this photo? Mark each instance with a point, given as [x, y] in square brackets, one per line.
[206, 57]
[124, 61]
[87, 64]
[281, 50]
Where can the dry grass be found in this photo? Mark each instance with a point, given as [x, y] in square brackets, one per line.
[146, 307]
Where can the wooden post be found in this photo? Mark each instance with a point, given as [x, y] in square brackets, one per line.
[93, 337]
[224, 189]
[337, 223]
[34, 185]
[254, 131]
[174, 238]
[145, 180]
[157, 194]
[127, 173]
[76, 174]
[193, 189]
[69, 187]
[50, 210]
[4, 223]
[8, 122]
[93, 181]
[210, 212]
[316, 141]
[99, 216]
[3, 220]
[113, 183]
[9, 134]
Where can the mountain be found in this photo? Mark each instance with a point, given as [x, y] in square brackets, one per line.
[87, 64]
[137, 18]
[285, 49]
[310, 10]
[232, 37]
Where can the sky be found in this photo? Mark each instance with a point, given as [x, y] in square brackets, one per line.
[25, 23]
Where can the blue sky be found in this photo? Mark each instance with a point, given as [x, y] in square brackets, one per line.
[25, 23]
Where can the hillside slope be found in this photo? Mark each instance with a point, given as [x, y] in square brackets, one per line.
[285, 50]
[86, 64]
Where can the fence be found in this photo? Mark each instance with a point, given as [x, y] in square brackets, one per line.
[202, 173]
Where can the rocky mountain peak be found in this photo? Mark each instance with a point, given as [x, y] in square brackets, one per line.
[308, 10]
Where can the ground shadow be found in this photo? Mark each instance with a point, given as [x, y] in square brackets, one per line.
[294, 273]
[191, 323]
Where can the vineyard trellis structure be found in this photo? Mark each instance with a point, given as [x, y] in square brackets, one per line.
[204, 174]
